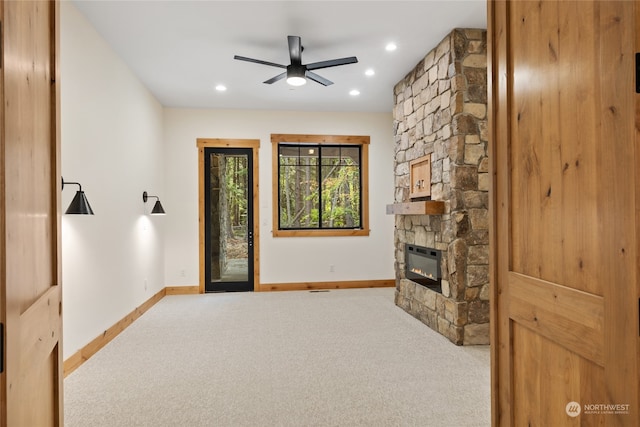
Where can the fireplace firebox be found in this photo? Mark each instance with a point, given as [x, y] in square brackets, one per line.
[422, 265]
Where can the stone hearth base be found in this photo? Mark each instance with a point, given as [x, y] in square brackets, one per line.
[440, 314]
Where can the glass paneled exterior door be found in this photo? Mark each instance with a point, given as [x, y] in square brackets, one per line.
[228, 219]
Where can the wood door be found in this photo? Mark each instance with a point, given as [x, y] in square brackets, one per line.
[565, 199]
[31, 382]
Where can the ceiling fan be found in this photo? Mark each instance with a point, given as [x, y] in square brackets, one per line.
[297, 72]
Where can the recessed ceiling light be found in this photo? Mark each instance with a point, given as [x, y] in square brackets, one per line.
[369, 72]
[390, 47]
[354, 92]
[221, 88]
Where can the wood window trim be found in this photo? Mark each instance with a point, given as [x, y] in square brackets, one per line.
[363, 142]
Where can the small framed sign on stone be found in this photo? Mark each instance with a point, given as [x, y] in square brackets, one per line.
[420, 177]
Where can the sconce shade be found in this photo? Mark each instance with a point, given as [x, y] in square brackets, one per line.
[157, 209]
[79, 205]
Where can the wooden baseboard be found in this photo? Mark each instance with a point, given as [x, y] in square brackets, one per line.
[182, 290]
[82, 355]
[353, 284]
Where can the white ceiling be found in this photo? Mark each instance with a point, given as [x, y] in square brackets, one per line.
[182, 49]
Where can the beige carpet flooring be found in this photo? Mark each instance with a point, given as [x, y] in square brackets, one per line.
[338, 358]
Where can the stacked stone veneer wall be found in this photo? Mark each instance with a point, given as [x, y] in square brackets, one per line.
[441, 110]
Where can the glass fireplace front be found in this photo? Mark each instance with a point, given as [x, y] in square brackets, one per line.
[423, 266]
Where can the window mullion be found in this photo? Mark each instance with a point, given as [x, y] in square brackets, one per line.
[360, 173]
[319, 177]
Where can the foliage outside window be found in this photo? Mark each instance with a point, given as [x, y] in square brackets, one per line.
[320, 185]
[234, 171]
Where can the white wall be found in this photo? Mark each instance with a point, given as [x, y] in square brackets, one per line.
[111, 144]
[282, 260]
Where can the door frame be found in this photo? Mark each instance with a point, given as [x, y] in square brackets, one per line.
[254, 145]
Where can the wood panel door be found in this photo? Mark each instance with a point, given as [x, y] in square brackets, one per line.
[30, 309]
[566, 212]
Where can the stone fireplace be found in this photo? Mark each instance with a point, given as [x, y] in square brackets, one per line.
[441, 114]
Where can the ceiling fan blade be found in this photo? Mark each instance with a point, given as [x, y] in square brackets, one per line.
[295, 49]
[332, 63]
[318, 79]
[276, 78]
[258, 61]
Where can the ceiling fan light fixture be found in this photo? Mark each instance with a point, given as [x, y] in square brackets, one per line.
[296, 76]
[296, 81]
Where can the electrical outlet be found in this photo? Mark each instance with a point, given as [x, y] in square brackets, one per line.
[183, 273]
[332, 268]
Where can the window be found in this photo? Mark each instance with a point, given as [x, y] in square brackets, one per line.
[320, 185]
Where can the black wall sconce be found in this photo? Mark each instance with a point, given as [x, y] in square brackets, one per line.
[79, 205]
[157, 208]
